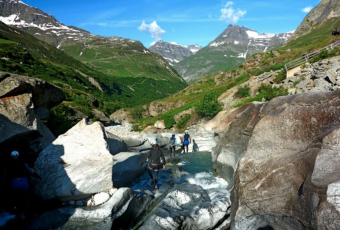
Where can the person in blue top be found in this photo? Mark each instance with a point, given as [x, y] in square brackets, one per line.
[172, 144]
[187, 141]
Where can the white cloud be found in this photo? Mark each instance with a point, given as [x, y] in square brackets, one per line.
[229, 4]
[228, 13]
[154, 29]
[307, 9]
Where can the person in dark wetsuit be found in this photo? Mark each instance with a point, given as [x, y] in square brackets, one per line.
[157, 162]
[172, 144]
[18, 172]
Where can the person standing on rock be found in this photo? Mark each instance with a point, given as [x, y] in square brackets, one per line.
[172, 144]
[18, 173]
[157, 162]
[186, 142]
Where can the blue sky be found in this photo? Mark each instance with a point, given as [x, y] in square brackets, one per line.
[183, 21]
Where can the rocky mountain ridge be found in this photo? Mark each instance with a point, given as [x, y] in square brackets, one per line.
[173, 52]
[40, 24]
[230, 49]
[327, 9]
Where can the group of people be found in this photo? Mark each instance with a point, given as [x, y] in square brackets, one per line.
[185, 144]
[157, 159]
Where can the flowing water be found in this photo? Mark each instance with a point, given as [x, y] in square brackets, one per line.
[193, 168]
[190, 168]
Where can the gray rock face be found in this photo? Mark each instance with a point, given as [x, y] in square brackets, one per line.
[127, 166]
[326, 10]
[233, 142]
[21, 101]
[77, 164]
[189, 207]
[173, 52]
[283, 156]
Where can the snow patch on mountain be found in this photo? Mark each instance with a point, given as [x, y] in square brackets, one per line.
[14, 20]
[256, 35]
[194, 48]
[176, 44]
[215, 44]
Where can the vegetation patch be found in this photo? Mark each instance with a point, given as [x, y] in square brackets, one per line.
[182, 123]
[280, 77]
[265, 93]
[59, 122]
[209, 105]
[243, 91]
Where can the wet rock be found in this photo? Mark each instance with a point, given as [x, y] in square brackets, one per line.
[138, 205]
[100, 217]
[189, 207]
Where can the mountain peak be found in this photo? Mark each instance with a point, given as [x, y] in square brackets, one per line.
[173, 52]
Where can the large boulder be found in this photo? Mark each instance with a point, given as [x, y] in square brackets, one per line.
[283, 156]
[120, 117]
[23, 101]
[77, 164]
[101, 116]
[127, 166]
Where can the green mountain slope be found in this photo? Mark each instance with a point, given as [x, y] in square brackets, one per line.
[127, 71]
[22, 53]
[230, 49]
[207, 61]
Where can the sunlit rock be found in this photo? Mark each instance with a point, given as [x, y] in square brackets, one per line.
[77, 164]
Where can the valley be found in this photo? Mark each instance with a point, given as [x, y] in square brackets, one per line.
[94, 117]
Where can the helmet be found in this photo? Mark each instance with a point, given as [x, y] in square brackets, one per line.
[14, 154]
[186, 131]
[154, 143]
[173, 134]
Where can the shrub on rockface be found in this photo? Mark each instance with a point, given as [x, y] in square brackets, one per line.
[270, 92]
[209, 106]
[137, 112]
[243, 92]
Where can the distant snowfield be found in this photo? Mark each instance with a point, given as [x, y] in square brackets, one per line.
[15, 20]
[256, 35]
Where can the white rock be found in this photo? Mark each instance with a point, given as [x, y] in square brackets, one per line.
[100, 198]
